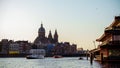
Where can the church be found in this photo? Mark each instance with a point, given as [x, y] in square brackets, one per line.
[42, 41]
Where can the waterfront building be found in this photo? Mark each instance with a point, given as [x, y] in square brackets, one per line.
[49, 49]
[70, 49]
[81, 51]
[4, 46]
[14, 48]
[10, 47]
[58, 49]
[24, 47]
[65, 49]
[41, 41]
[109, 48]
[73, 49]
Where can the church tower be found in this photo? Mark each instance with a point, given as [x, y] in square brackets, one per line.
[41, 36]
[50, 39]
[55, 37]
[41, 31]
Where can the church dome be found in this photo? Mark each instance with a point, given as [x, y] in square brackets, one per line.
[41, 29]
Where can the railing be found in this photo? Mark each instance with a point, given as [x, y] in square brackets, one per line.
[104, 43]
[108, 28]
[110, 43]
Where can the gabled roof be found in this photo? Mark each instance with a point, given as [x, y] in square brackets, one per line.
[116, 22]
[99, 39]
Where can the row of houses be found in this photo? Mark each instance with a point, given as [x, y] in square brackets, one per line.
[14, 47]
[65, 48]
[23, 47]
[109, 47]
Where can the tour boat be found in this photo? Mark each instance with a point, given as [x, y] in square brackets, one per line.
[35, 57]
[36, 54]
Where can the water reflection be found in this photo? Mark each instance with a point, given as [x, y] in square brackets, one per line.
[67, 62]
[111, 65]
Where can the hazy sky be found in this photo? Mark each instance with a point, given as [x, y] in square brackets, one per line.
[77, 21]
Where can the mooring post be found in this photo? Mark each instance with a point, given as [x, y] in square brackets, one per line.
[102, 58]
[91, 58]
[87, 55]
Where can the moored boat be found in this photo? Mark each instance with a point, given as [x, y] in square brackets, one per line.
[36, 54]
[35, 57]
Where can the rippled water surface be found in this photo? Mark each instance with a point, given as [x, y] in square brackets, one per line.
[67, 62]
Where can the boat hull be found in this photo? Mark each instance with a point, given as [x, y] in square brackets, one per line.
[35, 57]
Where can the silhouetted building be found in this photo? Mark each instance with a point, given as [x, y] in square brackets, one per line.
[41, 41]
[4, 46]
[55, 37]
[81, 51]
[24, 46]
[49, 43]
[65, 49]
[14, 47]
[50, 38]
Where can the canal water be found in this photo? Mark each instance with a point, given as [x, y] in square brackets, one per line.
[67, 62]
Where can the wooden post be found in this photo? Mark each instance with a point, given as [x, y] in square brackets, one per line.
[91, 58]
[102, 58]
[87, 55]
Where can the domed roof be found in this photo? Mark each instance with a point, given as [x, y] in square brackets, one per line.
[41, 29]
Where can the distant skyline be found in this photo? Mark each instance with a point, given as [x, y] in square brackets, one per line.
[77, 21]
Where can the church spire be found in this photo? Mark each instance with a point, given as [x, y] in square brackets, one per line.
[41, 24]
[56, 36]
[50, 39]
[50, 34]
[41, 31]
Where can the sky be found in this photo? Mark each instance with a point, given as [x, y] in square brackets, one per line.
[77, 21]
